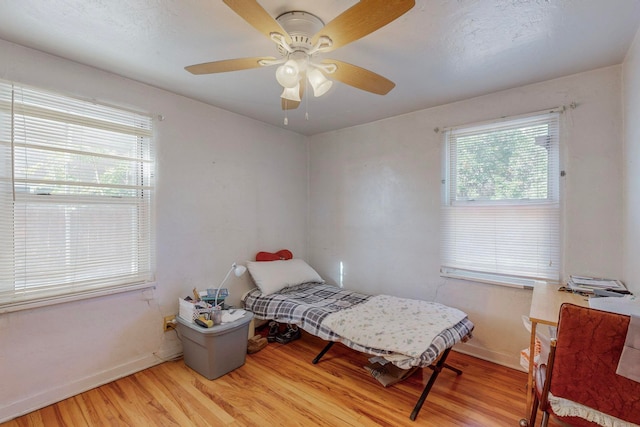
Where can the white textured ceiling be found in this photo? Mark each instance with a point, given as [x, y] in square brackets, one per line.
[440, 51]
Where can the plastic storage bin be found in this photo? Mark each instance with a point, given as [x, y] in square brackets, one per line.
[216, 351]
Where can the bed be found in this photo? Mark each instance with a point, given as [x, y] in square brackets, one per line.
[416, 333]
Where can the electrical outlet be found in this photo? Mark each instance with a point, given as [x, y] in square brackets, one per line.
[169, 323]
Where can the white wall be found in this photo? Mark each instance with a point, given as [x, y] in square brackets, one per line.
[227, 186]
[631, 98]
[375, 202]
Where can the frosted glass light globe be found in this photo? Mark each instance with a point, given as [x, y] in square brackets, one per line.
[319, 82]
[288, 74]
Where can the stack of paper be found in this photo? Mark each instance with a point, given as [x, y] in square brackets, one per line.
[588, 284]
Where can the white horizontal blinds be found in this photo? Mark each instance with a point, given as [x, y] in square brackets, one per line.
[83, 189]
[501, 213]
[6, 190]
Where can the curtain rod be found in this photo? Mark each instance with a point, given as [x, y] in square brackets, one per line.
[560, 109]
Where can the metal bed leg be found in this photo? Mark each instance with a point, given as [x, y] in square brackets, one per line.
[436, 371]
[323, 352]
[456, 370]
[437, 368]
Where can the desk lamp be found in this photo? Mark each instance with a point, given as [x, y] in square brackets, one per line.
[238, 270]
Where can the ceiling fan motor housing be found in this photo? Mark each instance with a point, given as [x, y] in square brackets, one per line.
[301, 26]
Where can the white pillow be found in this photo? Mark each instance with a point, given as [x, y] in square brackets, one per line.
[272, 276]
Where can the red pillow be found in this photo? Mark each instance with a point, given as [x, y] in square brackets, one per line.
[275, 256]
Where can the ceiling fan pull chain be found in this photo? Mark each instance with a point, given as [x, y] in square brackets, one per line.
[306, 109]
[286, 113]
[306, 98]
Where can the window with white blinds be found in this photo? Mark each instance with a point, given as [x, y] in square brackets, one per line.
[76, 198]
[501, 205]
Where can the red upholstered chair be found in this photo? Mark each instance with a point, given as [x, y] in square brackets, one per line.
[582, 367]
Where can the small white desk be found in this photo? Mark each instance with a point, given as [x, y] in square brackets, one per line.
[545, 308]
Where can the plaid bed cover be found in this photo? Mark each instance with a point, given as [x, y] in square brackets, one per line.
[308, 304]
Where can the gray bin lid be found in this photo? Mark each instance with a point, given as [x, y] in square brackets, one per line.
[218, 329]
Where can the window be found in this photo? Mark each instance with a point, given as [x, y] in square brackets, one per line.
[501, 204]
[76, 191]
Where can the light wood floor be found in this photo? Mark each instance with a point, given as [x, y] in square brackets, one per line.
[279, 386]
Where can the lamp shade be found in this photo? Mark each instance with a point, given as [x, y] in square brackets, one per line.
[319, 82]
[292, 94]
[238, 270]
[288, 74]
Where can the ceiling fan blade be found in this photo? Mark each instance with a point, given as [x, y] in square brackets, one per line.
[362, 19]
[360, 78]
[288, 104]
[227, 65]
[254, 14]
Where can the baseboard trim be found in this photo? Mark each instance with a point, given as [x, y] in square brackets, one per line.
[56, 394]
[507, 360]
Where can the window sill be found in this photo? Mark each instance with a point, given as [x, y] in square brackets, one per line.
[492, 279]
[10, 307]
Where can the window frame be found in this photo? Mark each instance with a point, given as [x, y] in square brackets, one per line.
[112, 129]
[553, 199]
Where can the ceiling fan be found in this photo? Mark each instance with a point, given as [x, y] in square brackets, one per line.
[300, 38]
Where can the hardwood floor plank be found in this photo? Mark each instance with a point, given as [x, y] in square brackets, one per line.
[309, 390]
[70, 412]
[164, 401]
[200, 409]
[279, 386]
[119, 408]
[98, 408]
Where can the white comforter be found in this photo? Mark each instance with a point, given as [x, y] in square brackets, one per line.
[400, 325]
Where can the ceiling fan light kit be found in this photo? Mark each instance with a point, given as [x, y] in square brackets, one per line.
[301, 37]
